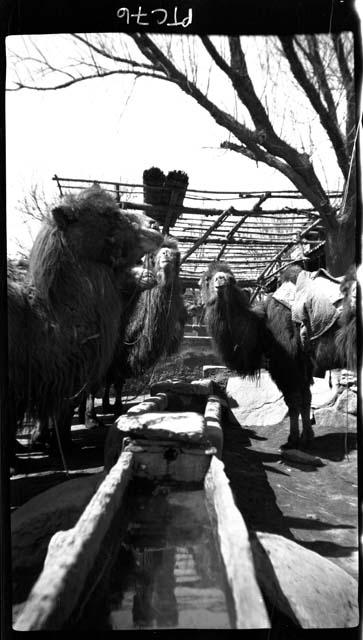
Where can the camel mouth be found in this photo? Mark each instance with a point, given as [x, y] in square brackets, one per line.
[164, 261]
[144, 278]
[220, 286]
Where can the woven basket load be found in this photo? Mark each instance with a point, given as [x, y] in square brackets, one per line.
[164, 190]
[153, 181]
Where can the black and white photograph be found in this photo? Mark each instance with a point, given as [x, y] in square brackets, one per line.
[180, 396]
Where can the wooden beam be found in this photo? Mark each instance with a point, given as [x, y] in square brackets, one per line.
[212, 212]
[233, 538]
[204, 237]
[280, 253]
[283, 194]
[237, 226]
[72, 553]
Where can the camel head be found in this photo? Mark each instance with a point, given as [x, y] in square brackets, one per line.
[215, 281]
[93, 227]
[148, 232]
[167, 261]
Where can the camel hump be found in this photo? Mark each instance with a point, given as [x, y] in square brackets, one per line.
[316, 302]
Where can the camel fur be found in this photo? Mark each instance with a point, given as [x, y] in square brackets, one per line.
[64, 319]
[154, 327]
[264, 335]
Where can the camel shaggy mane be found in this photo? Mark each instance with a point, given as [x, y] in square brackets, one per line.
[64, 319]
[154, 325]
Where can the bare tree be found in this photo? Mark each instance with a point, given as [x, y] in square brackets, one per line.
[320, 67]
[34, 204]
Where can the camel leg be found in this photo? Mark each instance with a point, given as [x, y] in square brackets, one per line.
[106, 406]
[293, 401]
[82, 408]
[64, 425]
[293, 439]
[117, 407]
[91, 419]
[307, 430]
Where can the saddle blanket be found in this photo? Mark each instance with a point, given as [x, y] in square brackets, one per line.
[314, 300]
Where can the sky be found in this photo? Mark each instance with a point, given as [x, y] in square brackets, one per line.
[111, 129]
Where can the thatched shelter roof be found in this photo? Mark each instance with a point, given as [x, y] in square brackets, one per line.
[258, 233]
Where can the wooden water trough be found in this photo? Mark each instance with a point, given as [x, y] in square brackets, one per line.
[156, 445]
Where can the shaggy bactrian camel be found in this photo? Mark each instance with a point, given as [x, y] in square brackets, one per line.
[64, 319]
[264, 335]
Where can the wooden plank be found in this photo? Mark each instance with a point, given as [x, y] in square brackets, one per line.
[71, 555]
[234, 544]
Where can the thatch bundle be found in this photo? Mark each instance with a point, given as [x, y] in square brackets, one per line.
[161, 189]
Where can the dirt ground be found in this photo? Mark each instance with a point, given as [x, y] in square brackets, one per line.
[314, 506]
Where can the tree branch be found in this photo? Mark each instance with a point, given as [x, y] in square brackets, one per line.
[333, 132]
[349, 89]
[319, 71]
[104, 74]
[164, 65]
[321, 204]
[110, 56]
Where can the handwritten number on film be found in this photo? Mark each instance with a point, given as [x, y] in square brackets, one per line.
[155, 16]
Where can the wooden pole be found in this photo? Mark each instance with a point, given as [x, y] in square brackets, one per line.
[280, 253]
[214, 226]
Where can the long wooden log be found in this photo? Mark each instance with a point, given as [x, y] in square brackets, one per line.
[234, 544]
[71, 555]
[212, 212]
[284, 193]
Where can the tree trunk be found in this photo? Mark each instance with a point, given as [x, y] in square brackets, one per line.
[340, 246]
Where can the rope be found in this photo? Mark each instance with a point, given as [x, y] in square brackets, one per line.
[65, 467]
[345, 194]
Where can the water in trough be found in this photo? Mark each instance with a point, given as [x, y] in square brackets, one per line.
[167, 572]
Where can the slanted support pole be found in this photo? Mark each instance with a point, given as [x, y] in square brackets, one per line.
[237, 226]
[279, 254]
[224, 215]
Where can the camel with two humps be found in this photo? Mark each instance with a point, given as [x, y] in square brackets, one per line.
[250, 337]
[63, 319]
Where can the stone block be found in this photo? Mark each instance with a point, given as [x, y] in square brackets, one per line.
[347, 401]
[329, 417]
[311, 590]
[322, 394]
[258, 402]
[186, 427]
[178, 429]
